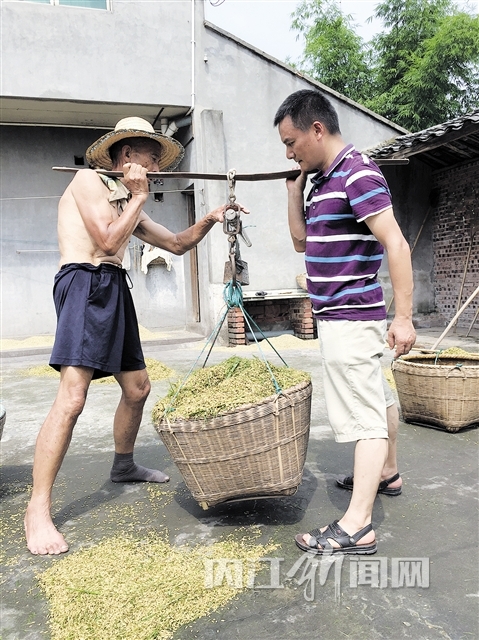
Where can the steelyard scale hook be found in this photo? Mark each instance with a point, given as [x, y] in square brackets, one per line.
[236, 270]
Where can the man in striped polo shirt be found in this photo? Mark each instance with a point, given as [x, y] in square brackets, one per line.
[343, 228]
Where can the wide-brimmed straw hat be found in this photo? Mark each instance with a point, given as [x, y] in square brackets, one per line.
[98, 155]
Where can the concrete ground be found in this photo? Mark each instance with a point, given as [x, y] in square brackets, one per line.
[426, 567]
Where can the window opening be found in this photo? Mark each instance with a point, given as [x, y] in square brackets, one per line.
[86, 4]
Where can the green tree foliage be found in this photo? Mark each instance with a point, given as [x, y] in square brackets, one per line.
[334, 54]
[422, 69]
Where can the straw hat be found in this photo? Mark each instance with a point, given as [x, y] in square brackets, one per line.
[98, 154]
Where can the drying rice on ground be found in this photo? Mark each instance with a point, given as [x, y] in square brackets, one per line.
[35, 342]
[214, 390]
[280, 343]
[32, 342]
[41, 371]
[156, 371]
[144, 589]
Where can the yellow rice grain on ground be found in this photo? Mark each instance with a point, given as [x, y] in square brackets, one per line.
[156, 371]
[41, 371]
[143, 589]
[280, 343]
[33, 342]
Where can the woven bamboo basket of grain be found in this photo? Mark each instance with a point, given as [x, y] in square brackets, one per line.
[438, 390]
[254, 451]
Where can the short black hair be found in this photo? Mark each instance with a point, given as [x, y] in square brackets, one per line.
[305, 107]
[138, 143]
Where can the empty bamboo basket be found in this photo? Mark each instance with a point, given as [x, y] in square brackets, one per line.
[254, 451]
[439, 390]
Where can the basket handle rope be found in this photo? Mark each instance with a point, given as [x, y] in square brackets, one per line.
[233, 297]
[211, 339]
[457, 366]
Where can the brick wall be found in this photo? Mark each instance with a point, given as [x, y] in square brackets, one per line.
[236, 327]
[273, 315]
[301, 318]
[456, 219]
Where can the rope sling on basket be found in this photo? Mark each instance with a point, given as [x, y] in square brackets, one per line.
[257, 449]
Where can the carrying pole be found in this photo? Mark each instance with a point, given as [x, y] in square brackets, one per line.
[253, 177]
[446, 330]
[472, 323]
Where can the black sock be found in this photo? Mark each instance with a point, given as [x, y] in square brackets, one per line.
[124, 469]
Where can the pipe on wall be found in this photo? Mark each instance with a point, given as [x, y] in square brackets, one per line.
[170, 128]
[193, 58]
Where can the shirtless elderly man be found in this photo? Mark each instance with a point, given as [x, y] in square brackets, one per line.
[97, 331]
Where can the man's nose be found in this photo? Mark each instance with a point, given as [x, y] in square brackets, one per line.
[289, 154]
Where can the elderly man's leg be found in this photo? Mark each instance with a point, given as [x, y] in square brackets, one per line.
[135, 387]
[52, 444]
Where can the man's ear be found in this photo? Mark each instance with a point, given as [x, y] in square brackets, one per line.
[126, 151]
[318, 128]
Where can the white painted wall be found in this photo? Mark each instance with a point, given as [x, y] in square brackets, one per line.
[138, 53]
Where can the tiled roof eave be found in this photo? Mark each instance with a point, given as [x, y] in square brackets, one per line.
[413, 143]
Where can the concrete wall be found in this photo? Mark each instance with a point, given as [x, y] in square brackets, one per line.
[248, 87]
[139, 52]
[30, 192]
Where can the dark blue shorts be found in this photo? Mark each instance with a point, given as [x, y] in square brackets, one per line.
[97, 325]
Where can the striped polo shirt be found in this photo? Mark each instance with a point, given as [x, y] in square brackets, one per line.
[342, 255]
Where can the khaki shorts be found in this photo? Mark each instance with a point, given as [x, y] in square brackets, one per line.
[356, 392]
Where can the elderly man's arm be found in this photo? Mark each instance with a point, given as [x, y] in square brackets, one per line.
[108, 231]
[401, 334]
[177, 243]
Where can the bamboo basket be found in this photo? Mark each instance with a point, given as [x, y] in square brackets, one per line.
[255, 451]
[442, 391]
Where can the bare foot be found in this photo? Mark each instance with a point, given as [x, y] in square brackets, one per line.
[43, 538]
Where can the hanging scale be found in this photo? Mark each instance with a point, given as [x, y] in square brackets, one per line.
[236, 270]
